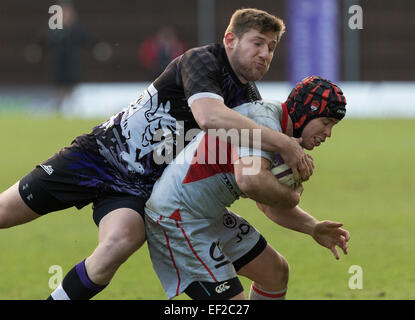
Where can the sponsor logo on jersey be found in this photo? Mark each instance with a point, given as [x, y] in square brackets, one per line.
[48, 169]
[229, 221]
[222, 287]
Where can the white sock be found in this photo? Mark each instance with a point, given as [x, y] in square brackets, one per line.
[59, 294]
[260, 294]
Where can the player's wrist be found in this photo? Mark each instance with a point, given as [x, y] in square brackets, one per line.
[280, 142]
[312, 225]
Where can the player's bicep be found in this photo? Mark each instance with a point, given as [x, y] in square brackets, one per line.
[249, 171]
[205, 110]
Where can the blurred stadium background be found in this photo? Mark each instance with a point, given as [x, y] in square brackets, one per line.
[372, 162]
[375, 62]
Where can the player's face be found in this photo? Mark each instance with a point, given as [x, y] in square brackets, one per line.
[252, 54]
[317, 131]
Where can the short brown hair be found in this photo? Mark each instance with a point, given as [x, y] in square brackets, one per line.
[243, 20]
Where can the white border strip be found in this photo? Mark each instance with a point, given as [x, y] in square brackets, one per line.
[204, 95]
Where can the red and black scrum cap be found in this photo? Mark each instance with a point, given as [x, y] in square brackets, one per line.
[312, 98]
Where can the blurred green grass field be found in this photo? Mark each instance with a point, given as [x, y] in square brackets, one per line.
[364, 178]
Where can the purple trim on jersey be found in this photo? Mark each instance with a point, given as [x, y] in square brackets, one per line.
[88, 161]
[148, 169]
[92, 171]
[234, 94]
[81, 271]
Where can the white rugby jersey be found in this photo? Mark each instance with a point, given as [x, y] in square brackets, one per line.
[201, 179]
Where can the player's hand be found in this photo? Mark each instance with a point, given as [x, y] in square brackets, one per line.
[329, 234]
[307, 167]
[299, 189]
[294, 156]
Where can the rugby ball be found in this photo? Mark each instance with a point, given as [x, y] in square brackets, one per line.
[283, 172]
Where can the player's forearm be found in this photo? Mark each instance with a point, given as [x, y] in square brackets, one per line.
[264, 188]
[260, 137]
[292, 218]
[212, 114]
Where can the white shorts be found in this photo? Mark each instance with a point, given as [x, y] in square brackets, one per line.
[187, 250]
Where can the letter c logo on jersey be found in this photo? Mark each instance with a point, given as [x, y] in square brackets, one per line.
[222, 287]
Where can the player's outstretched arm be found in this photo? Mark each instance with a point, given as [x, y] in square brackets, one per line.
[211, 113]
[329, 234]
[254, 178]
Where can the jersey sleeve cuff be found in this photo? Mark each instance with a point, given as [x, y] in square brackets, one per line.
[200, 95]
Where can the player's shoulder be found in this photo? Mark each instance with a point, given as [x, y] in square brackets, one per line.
[213, 50]
[261, 108]
[203, 56]
[264, 112]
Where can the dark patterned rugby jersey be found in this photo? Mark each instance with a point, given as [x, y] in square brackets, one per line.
[139, 142]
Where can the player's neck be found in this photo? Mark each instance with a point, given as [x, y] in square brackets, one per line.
[234, 67]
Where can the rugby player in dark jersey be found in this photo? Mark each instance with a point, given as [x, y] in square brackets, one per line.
[116, 165]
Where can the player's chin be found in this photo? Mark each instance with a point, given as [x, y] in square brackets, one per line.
[257, 74]
[308, 146]
[261, 74]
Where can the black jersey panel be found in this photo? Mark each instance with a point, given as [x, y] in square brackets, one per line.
[200, 71]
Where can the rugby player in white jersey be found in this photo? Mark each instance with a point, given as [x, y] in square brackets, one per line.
[197, 245]
[113, 167]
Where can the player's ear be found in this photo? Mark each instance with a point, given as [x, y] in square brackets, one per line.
[230, 40]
